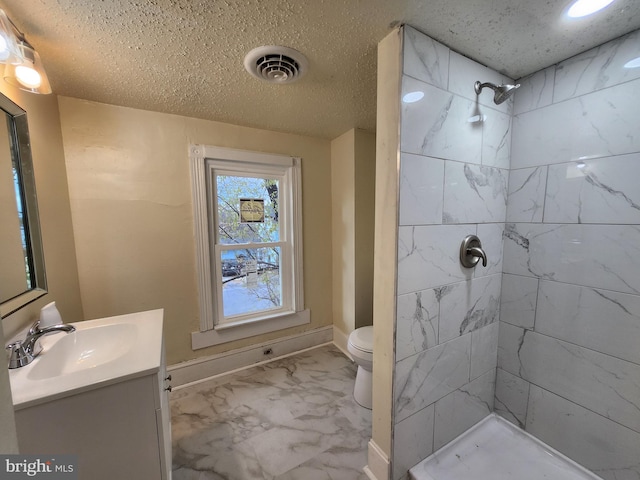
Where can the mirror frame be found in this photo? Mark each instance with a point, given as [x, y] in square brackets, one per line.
[21, 155]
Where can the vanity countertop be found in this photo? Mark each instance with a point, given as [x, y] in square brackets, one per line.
[100, 352]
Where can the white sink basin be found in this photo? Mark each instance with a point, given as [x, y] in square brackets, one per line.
[99, 352]
[84, 349]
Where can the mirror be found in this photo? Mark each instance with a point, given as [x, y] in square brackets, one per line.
[22, 274]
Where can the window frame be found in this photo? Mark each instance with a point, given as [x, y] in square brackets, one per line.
[211, 160]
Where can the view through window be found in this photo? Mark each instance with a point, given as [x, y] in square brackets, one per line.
[248, 215]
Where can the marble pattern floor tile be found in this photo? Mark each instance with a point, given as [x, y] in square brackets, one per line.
[293, 418]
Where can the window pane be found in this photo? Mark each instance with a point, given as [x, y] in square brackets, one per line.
[259, 223]
[250, 280]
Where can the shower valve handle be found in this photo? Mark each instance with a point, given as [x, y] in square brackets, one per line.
[471, 252]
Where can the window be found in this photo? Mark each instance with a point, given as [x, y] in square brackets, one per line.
[247, 214]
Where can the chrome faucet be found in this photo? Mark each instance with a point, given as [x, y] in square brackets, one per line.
[23, 351]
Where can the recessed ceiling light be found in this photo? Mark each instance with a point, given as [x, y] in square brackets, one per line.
[635, 63]
[582, 8]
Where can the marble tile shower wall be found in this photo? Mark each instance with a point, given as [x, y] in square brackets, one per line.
[454, 182]
[569, 356]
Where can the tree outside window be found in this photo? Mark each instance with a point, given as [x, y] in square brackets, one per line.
[250, 276]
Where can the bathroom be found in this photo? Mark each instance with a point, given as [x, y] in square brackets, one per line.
[119, 165]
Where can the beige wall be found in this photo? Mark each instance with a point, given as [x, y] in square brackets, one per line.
[343, 231]
[55, 221]
[53, 208]
[386, 242]
[352, 195]
[365, 187]
[132, 212]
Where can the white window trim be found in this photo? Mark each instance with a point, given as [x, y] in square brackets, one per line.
[284, 174]
[210, 333]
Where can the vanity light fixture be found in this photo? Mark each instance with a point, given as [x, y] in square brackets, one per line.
[28, 75]
[23, 67]
[583, 8]
[9, 52]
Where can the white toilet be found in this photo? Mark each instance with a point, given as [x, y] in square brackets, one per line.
[360, 347]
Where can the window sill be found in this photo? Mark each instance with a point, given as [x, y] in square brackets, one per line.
[230, 332]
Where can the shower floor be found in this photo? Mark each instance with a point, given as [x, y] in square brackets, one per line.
[494, 449]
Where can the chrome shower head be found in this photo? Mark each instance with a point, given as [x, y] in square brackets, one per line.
[502, 91]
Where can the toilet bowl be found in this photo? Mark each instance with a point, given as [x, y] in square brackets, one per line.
[360, 346]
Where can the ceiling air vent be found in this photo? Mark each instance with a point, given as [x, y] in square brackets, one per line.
[275, 64]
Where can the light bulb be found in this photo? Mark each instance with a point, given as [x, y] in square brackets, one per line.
[28, 76]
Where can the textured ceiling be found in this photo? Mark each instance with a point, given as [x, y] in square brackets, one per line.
[185, 57]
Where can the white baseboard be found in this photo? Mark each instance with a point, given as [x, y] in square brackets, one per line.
[340, 340]
[200, 369]
[378, 463]
[368, 473]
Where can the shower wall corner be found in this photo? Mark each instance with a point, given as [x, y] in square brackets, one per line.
[454, 159]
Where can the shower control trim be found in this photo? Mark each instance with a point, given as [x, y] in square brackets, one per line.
[471, 252]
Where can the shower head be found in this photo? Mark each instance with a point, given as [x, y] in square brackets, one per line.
[502, 91]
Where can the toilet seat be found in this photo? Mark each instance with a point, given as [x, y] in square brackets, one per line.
[362, 339]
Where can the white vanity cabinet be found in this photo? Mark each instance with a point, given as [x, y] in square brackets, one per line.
[119, 429]
[163, 419]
